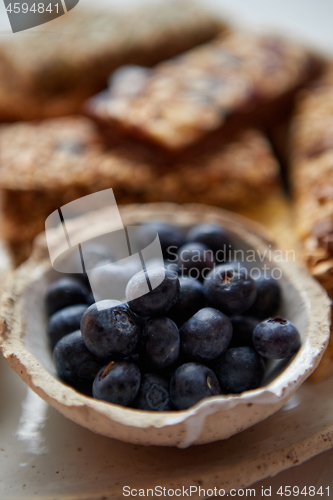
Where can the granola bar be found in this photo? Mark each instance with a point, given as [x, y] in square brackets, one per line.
[312, 178]
[48, 164]
[312, 183]
[50, 72]
[181, 100]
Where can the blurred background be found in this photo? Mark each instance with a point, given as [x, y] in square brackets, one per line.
[310, 20]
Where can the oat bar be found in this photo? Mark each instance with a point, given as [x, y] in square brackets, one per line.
[312, 178]
[48, 164]
[312, 183]
[180, 101]
[51, 71]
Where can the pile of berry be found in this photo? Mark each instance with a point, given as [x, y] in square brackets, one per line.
[182, 341]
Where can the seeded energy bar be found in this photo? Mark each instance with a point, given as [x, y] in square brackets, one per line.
[50, 72]
[48, 164]
[312, 177]
[312, 182]
[179, 101]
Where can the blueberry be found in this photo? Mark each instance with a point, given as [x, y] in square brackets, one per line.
[153, 263]
[90, 299]
[191, 299]
[117, 383]
[154, 393]
[170, 236]
[172, 265]
[192, 382]
[83, 278]
[238, 265]
[74, 363]
[109, 280]
[110, 328]
[268, 298]
[239, 369]
[214, 236]
[160, 341]
[276, 338]
[65, 321]
[153, 292]
[206, 335]
[134, 358]
[242, 330]
[93, 254]
[65, 292]
[195, 260]
[229, 290]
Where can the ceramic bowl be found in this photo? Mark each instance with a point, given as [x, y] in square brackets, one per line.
[25, 345]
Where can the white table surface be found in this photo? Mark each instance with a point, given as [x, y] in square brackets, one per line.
[45, 456]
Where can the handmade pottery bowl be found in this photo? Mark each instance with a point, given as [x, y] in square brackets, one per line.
[25, 345]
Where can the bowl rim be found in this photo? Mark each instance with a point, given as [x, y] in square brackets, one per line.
[41, 381]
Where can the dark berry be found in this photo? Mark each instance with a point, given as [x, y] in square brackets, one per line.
[152, 292]
[206, 335]
[229, 290]
[93, 253]
[214, 236]
[90, 299]
[74, 363]
[154, 394]
[239, 369]
[172, 265]
[195, 260]
[170, 236]
[238, 265]
[65, 292]
[160, 343]
[191, 299]
[242, 330]
[110, 328]
[109, 279]
[65, 321]
[117, 383]
[134, 358]
[268, 298]
[83, 278]
[192, 382]
[276, 338]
